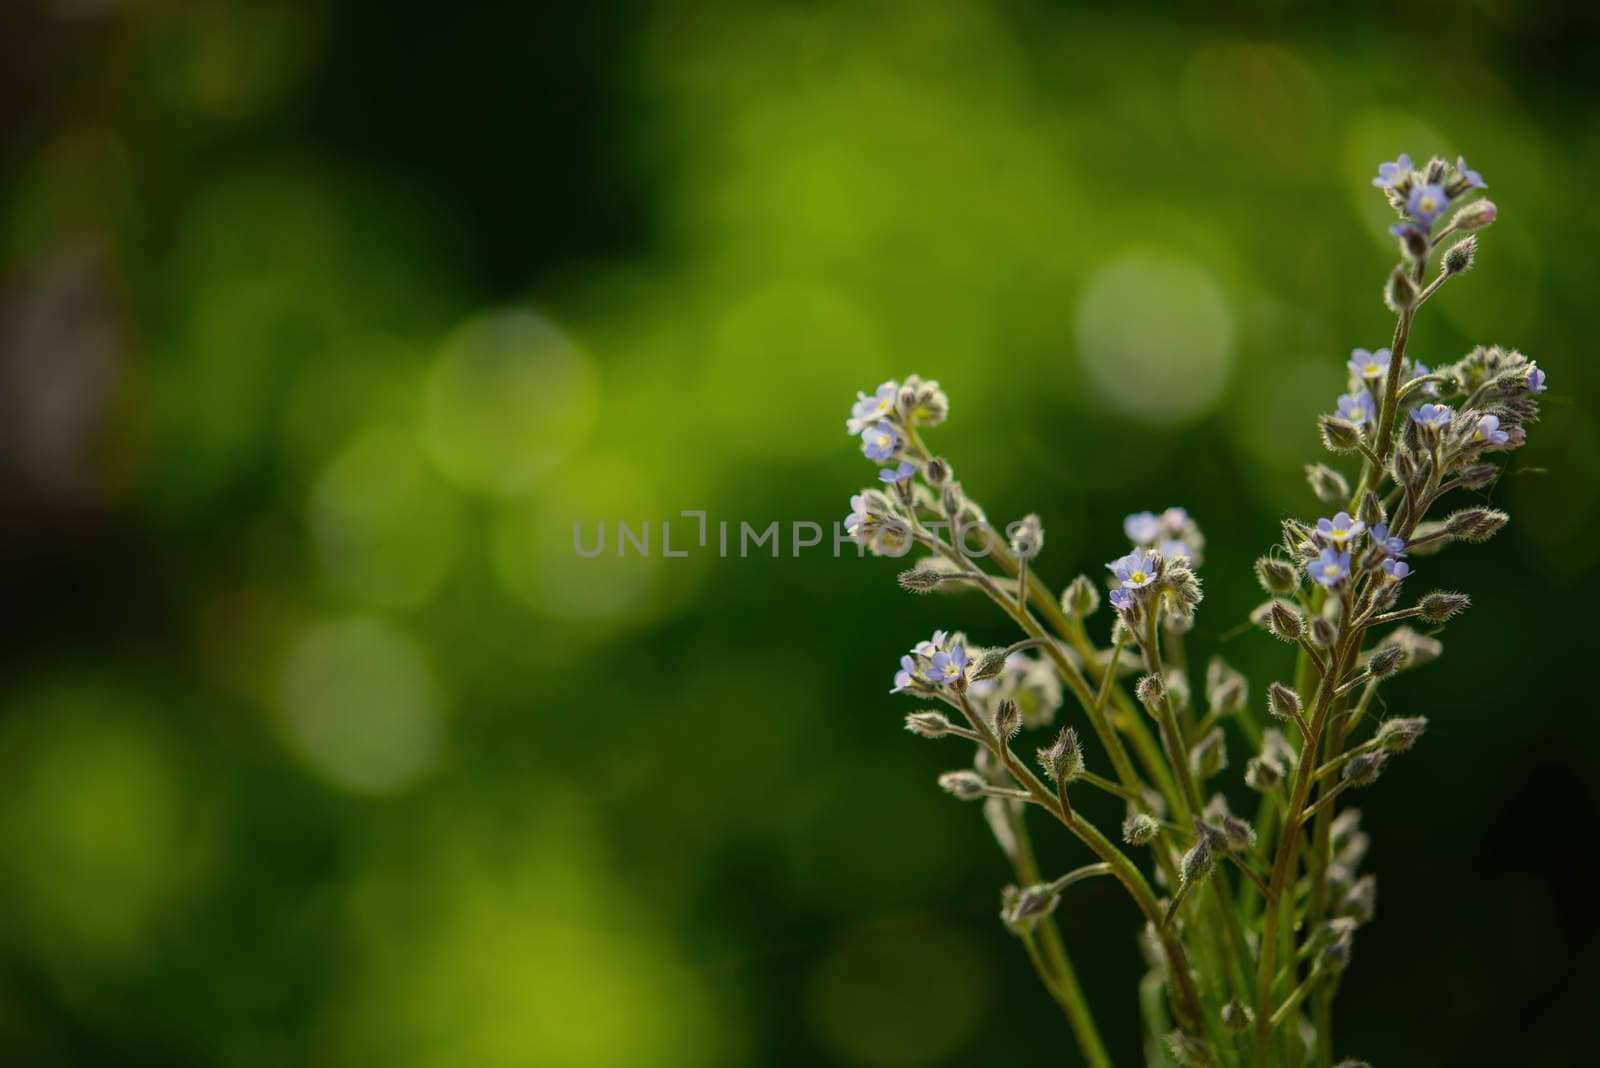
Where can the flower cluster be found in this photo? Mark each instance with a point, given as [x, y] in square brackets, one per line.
[1419, 434]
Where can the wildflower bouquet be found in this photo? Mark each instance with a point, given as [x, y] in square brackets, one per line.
[1249, 918]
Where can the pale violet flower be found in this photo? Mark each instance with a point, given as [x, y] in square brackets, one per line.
[1340, 530]
[1142, 528]
[868, 410]
[1433, 416]
[1393, 174]
[1330, 568]
[1173, 549]
[1121, 599]
[1364, 364]
[879, 441]
[894, 476]
[1396, 569]
[1357, 407]
[1136, 570]
[1489, 432]
[906, 676]
[1473, 179]
[1387, 543]
[1535, 379]
[946, 667]
[1427, 202]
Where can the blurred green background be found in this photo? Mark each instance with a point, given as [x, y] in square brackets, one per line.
[324, 322]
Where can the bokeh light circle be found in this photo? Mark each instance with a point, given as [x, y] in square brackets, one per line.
[506, 399]
[1156, 339]
[361, 704]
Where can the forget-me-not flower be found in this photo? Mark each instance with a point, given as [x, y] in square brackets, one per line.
[1142, 528]
[1396, 569]
[1433, 416]
[1535, 379]
[894, 476]
[1366, 364]
[1488, 430]
[1330, 568]
[1473, 179]
[946, 667]
[1173, 549]
[1393, 174]
[1341, 529]
[878, 441]
[1427, 203]
[906, 676]
[1387, 543]
[1121, 599]
[868, 410]
[1356, 407]
[1134, 571]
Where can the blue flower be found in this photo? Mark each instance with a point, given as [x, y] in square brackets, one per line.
[1473, 179]
[1142, 528]
[1364, 364]
[1427, 203]
[1396, 569]
[1331, 568]
[1174, 520]
[1173, 549]
[1341, 529]
[1356, 407]
[906, 676]
[1134, 571]
[1535, 379]
[1121, 599]
[896, 475]
[945, 667]
[1488, 430]
[1421, 370]
[879, 441]
[1386, 543]
[1433, 416]
[868, 410]
[1393, 174]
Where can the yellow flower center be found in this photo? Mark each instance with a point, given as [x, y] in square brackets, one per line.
[1138, 576]
[1330, 570]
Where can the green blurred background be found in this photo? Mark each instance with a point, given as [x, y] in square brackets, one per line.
[324, 322]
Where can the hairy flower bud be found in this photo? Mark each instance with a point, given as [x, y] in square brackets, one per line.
[1339, 435]
[1459, 257]
[1027, 536]
[1404, 467]
[967, 785]
[1399, 734]
[922, 579]
[1475, 216]
[1385, 661]
[1322, 632]
[937, 472]
[1237, 1017]
[1063, 761]
[1277, 577]
[1360, 902]
[1152, 690]
[1261, 774]
[1239, 834]
[1081, 598]
[1363, 769]
[1441, 605]
[1007, 720]
[1371, 510]
[1198, 862]
[1140, 828]
[1209, 756]
[1022, 909]
[1399, 292]
[1335, 956]
[1226, 689]
[1188, 1051]
[1478, 475]
[1475, 524]
[1282, 701]
[928, 724]
[1285, 622]
[1329, 485]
